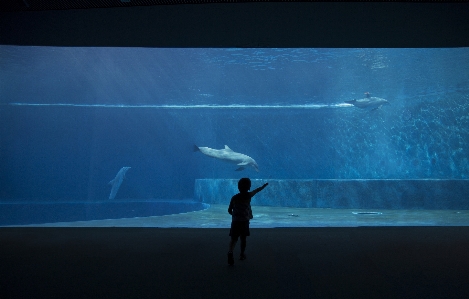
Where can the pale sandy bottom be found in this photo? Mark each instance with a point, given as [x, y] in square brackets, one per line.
[216, 216]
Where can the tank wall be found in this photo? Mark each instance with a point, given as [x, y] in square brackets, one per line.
[343, 194]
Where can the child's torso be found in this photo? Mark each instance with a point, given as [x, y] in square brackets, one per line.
[241, 207]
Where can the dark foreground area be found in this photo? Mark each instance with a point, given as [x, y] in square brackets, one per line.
[360, 262]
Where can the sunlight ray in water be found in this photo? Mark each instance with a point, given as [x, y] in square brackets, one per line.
[202, 106]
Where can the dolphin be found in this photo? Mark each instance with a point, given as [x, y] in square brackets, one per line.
[368, 103]
[228, 155]
[117, 181]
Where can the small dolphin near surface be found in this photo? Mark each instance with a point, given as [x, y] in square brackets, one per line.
[117, 181]
[228, 155]
[369, 102]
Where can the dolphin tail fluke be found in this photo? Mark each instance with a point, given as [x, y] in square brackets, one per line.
[196, 148]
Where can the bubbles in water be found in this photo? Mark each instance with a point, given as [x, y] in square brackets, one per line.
[406, 115]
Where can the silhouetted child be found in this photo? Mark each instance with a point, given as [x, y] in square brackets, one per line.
[240, 210]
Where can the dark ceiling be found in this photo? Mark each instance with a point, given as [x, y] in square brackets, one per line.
[233, 23]
[35, 5]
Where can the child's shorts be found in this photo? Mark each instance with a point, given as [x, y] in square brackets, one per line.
[239, 228]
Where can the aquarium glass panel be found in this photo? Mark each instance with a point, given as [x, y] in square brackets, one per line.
[98, 136]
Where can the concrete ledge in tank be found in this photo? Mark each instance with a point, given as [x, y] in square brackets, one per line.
[343, 194]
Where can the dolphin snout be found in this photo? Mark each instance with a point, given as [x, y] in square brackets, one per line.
[256, 167]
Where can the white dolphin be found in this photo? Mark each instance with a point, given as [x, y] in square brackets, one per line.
[368, 103]
[228, 155]
[117, 181]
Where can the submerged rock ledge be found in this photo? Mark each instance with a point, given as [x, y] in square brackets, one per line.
[343, 194]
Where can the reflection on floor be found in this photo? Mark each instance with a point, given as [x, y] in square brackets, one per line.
[268, 217]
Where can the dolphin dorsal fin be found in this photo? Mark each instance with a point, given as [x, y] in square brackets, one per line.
[227, 148]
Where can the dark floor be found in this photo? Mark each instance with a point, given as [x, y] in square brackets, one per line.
[354, 262]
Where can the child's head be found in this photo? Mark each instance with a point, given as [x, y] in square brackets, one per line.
[244, 185]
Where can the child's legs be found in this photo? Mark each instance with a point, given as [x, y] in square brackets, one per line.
[243, 243]
[239, 229]
[233, 241]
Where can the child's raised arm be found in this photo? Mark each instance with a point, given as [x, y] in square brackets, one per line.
[255, 191]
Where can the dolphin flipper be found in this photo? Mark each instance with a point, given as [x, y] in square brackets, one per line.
[239, 169]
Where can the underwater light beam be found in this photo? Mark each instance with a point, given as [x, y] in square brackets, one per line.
[203, 106]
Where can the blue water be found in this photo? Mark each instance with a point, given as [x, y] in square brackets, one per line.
[70, 118]
[25, 213]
